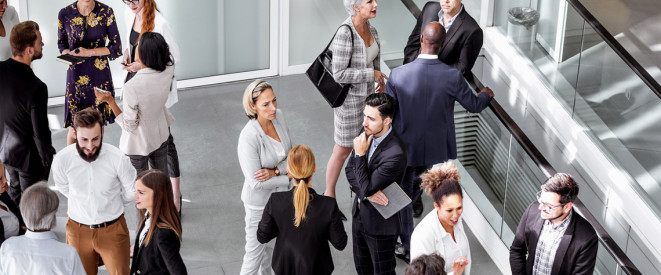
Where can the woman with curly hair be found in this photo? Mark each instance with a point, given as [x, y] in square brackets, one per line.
[442, 230]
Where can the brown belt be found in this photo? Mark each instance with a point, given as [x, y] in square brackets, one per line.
[101, 225]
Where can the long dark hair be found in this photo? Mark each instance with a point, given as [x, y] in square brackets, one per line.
[164, 214]
[154, 52]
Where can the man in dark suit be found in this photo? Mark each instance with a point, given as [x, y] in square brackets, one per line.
[426, 90]
[378, 160]
[551, 237]
[25, 139]
[463, 41]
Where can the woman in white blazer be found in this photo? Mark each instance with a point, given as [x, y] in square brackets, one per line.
[263, 147]
[8, 18]
[144, 118]
[442, 230]
[143, 16]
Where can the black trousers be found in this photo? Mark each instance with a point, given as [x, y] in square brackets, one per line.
[21, 180]
[158, 159]
[373, 254]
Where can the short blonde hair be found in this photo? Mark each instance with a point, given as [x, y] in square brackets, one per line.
[250, 96]
[348, 5]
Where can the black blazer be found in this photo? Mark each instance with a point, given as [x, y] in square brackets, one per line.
[160, 256]
[4, 197]
[461, 45]
[576, 254]
[386, 166]
[304, 249]
[25, 138]
[426, 90]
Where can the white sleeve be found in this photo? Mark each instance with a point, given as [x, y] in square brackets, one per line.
[126, 174]
[422, 242]
[59, 175]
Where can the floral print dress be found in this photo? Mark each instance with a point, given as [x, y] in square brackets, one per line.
[92, 31]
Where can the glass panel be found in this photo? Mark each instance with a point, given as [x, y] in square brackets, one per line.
[482, 148]
[523, 181]
[621, 111]
[606, 264]
[212, 44]
[312, 24]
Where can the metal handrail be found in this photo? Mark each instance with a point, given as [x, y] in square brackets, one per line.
[606, 240]
[617, 47]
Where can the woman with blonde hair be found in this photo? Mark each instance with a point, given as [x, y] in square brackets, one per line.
[442, 230]
[302, 222]
[158, 240]
[263, 146]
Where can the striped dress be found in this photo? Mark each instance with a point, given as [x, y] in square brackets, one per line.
[349, 117]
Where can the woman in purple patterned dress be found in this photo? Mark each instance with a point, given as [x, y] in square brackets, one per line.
[84, 27]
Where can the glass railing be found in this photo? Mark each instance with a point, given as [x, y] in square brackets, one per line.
[506, 170]
[600, 84]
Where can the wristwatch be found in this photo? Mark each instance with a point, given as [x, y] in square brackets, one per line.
[277, 171]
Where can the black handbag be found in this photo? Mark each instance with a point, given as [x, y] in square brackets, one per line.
[321, 75]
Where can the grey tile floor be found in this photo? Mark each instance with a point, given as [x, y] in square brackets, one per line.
[206, 132]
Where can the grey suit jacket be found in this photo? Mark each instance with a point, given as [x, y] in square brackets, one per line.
[255, 152]
[356, 73]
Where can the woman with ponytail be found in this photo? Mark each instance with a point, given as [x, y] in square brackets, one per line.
[143, 16]
[302, 222]
[158, 240]
[442, 230]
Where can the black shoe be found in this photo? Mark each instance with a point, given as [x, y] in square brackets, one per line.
[400, 252]
[417, 208]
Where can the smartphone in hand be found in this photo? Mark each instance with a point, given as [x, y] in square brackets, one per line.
[100, 90]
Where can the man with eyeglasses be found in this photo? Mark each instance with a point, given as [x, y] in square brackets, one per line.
[557, 240]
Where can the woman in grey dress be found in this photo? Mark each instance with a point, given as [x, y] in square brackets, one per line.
[358, 66]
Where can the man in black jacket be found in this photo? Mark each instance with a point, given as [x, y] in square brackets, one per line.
[463, 39]
[25, 139]
[551, 237]
[378, 160]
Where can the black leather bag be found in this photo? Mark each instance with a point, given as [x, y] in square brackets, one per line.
[321, 75]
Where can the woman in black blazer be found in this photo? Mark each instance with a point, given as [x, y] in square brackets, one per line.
[156, 249]
[302, 221]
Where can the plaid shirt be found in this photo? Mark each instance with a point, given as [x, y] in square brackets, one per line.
[548, 244]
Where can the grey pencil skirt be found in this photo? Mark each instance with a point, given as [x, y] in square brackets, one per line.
[349, 119]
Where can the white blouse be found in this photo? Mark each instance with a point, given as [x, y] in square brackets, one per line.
[429, 237]
[372, 52]
[9, 20]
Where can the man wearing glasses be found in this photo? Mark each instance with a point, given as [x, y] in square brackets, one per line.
[557, 240]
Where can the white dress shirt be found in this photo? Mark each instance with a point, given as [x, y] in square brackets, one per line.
[39, 253]
[430, 237]
[9, 222]
[9, 20]
[98, 190]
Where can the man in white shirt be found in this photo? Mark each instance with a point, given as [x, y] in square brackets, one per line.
[98, 180]
[38, 251]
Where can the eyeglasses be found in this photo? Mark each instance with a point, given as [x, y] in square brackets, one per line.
[134, 2]
[547, 206]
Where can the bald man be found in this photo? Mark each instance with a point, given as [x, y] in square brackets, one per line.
[426, 90]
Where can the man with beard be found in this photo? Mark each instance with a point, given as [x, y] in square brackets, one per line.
[25, 138]
[378, 160]
[551, 237]
[98, 179]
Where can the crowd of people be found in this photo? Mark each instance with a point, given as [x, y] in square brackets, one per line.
[397, 129]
